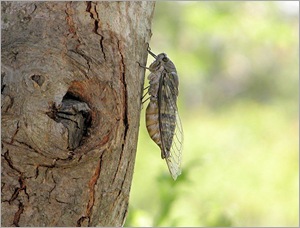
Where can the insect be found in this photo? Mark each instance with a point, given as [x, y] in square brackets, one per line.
[162, 119]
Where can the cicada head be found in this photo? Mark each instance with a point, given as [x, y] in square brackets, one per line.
[162, 61]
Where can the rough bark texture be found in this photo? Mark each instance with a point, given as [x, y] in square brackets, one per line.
[71, 100]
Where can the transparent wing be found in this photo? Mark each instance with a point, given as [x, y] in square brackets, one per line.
[170, 123]
[175, 158]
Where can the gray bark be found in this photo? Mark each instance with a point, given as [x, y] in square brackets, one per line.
[71, 100]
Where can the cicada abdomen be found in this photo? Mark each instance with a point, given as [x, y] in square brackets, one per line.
[162, 119]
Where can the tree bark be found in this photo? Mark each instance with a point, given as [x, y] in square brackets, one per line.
[71, 99]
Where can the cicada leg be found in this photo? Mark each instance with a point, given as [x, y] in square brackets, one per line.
[143, 66]
[144, 100]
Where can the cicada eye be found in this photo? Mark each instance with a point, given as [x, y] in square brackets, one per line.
[165, 59]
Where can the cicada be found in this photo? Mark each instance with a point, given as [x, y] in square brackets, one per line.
[162, 119]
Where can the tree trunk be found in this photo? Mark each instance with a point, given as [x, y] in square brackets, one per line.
[71, 100]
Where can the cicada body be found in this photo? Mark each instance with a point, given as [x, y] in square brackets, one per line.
[162, 119]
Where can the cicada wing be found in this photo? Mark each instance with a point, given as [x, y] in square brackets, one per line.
[175, 158]
[169, 122]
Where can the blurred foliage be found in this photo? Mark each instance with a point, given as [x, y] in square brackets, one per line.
[238, 69]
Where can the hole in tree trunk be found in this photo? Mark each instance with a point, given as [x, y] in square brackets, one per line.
[75, 115]
[39, 79]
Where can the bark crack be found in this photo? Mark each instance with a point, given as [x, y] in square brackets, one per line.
[126, 126]
[123, 80]
[18, 214]
[70, 21]
[61, 202]
[125, 112]
[91, 8]
[15, 133]
[119, 165]
[102, 48]
[52, 189]
[91, 201]
[9, 162]
[22, 187]
[24, 144]
[27, 145]
[82, 218]
[94, 15]
[21, 179]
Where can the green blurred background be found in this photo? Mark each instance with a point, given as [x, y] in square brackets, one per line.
[238, 68]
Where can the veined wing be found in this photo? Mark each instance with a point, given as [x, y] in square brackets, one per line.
[171, 131]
